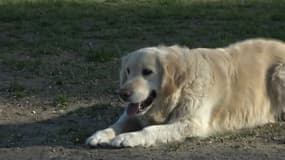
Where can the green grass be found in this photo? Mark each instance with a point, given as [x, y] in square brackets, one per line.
[61, 101]
[74, 45]
[101, 54]
[17, 90]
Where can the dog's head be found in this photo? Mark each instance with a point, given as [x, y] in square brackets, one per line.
[150, 74]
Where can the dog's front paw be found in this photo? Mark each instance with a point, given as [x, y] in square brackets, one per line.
[129, 140]
[101, 138]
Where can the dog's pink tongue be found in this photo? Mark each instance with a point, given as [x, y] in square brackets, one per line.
[132, 109]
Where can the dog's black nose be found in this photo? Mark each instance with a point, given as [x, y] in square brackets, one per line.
[125, 94]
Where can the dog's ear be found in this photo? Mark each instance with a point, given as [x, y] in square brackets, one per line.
[123, 75]
[174, 73]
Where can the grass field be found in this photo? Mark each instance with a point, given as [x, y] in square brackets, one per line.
[64, 42]
[59, 63]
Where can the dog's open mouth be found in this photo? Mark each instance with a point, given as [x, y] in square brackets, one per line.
[136, 108]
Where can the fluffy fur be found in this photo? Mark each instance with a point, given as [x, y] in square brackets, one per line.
[200, 92]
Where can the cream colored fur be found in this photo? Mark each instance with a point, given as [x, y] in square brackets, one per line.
[200, 92]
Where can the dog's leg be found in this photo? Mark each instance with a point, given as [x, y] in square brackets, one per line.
[277, 91]
[155, 134]
[104, 137]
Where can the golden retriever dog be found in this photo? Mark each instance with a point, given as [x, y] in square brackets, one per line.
[175, 92]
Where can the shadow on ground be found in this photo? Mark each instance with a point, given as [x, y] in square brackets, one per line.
[66, 130]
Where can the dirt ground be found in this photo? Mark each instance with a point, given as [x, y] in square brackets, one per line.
[31, 133]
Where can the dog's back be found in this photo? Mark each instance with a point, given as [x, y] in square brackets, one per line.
[251, 84]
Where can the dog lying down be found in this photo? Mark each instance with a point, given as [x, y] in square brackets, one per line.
[175, 92]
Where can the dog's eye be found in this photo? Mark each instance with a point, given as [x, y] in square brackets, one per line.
[147, 72]
[128, 71]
